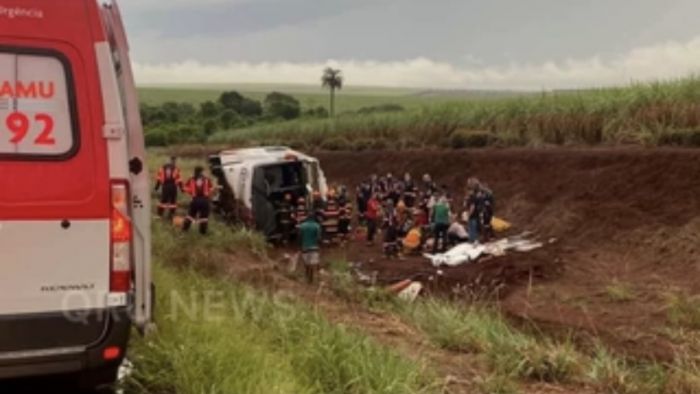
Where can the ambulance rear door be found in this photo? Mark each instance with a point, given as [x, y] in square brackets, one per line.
[130, 121]
[54, 199]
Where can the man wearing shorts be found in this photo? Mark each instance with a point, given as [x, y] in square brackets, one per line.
[310, 235]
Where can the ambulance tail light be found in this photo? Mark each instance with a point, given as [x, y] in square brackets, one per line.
[121, 238]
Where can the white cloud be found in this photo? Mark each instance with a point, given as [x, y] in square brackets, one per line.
[661, 61]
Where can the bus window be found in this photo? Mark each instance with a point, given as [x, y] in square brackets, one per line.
[312, 175]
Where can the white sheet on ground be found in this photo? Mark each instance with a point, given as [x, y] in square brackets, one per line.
[460, 254]
[467, 252]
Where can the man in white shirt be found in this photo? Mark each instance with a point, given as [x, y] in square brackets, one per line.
[457, 233]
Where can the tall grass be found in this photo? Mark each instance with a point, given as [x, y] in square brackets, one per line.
[683, 310]
[665, 113]
[508, 351]
[215, 336]
[513, 354]
[210, 254]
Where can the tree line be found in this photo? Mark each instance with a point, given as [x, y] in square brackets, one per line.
[180, 122]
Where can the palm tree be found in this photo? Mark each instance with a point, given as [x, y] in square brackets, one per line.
[332, 79]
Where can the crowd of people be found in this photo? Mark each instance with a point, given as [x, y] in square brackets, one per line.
[412, 216]
[333, 213]
[320, 220]
[420, 215]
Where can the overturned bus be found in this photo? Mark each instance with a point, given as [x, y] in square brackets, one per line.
[254, 182]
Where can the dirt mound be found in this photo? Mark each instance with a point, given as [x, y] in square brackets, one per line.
[585, 194]
[621, 216]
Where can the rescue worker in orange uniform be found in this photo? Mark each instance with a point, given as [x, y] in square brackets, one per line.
[285, 219]
[331, 216]
[301, 212]
[318, 206]
[170, 180]
[200, 188]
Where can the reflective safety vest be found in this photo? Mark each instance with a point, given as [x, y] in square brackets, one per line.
[346, 211]
[301, 213]
[284, 214]
[332, 209]
[169, 174]
[199, 187]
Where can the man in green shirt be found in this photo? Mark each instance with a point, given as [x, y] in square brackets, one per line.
[310, 235]
[441, 223]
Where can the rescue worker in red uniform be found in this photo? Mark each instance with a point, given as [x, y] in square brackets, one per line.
[374, 208]
[345, 214]
[200, 188]
[391, 236]
[170, 180]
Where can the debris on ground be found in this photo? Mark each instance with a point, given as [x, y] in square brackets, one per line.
[362, 277]
[467, 252]
[398, 287]
[292, 260]
[411, 292]
[126, 369]
[499, 225]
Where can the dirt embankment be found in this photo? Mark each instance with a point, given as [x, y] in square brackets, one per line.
[623, 218]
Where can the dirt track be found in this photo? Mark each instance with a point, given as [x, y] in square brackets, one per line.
[628, 216]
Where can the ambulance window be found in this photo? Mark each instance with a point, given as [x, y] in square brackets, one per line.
[36, 118]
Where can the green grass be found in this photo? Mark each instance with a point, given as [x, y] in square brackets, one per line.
[683, 310]
[665, 113]
[611, 374]
[618, 291]
[684, 375]
[350, 98]
[310, 97]
[508, 351]
[216, 336]
[254, 342]
[496, 384]
[344, 286]
[512, 354]
[210, 254]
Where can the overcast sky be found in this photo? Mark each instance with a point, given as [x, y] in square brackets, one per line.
[460, 44]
